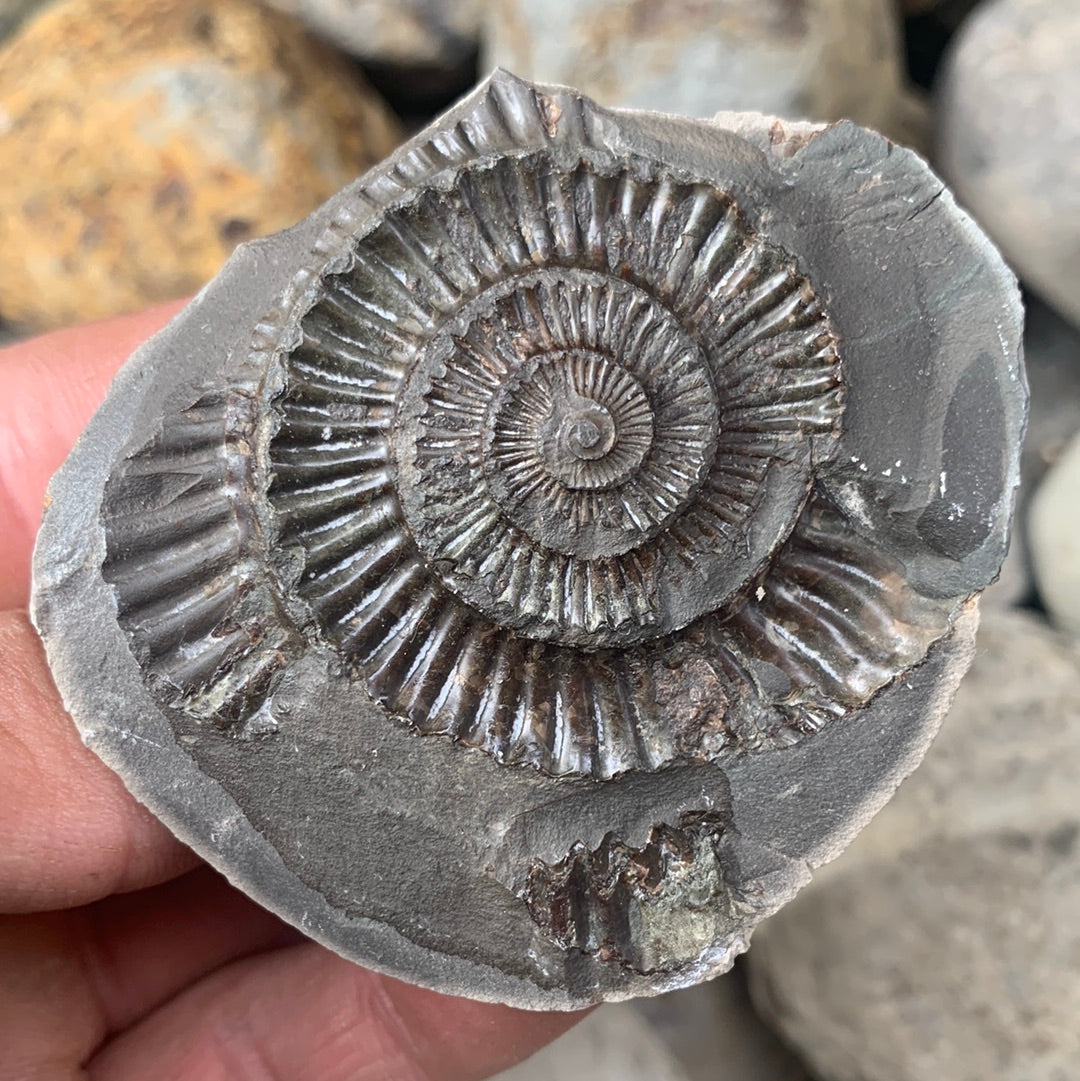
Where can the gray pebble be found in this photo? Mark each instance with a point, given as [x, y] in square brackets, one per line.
[704, 1033]
[1009, 137]
[406, 33]
[1054, 528]
[944, 944]
[616, 1043]
[819, 60]
[1052, 361]
[715, 1034]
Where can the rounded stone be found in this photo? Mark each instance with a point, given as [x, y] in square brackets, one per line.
[1052, 363]
[153, 137]
[944, 944]
[1009, 137]
[397, 33]
[819, 60]
[1054, 537]
[615, 1043]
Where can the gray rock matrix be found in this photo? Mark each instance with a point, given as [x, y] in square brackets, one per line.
[522, 573]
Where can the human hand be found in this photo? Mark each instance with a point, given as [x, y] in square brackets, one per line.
[121, 956]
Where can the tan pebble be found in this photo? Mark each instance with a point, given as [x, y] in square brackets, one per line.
[146, 139]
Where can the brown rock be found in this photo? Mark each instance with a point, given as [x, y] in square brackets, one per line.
[152, 137]
[944, 943]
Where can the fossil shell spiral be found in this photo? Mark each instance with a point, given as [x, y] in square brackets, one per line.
[575, 522]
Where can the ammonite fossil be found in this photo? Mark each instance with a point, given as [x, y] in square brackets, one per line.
[524, 571]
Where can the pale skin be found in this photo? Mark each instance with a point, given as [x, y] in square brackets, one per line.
[122, 956]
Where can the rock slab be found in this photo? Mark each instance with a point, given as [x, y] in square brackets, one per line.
[504, 575]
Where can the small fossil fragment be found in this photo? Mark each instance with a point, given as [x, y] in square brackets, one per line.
[522, 571]
[632, 905]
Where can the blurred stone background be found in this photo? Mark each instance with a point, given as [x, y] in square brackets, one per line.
[141, 140]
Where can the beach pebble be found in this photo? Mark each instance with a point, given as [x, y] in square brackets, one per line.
[704, 1033]
[613, 1044]
[1052, 359]
[1009, 137]
[818, 59]
[1054, 528]
[422, 46]
[152, 136]
[944, 944]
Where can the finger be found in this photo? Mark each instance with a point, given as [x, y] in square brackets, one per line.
[302, 1014]
[70, 832]
[52, 385]
[71, 979]
[140, 949]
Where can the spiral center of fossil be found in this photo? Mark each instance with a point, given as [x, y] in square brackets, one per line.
[578, 416]
[561, 423]
[589, 432]
[571, 443]
[592, 442]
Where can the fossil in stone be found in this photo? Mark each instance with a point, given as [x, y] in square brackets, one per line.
[522, 571]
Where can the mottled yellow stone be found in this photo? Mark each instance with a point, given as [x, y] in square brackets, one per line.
[141, 140]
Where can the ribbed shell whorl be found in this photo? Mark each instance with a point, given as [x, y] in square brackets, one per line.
[536, 459]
